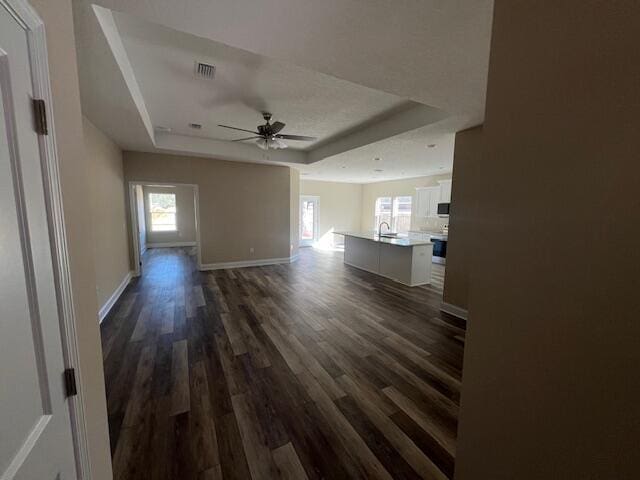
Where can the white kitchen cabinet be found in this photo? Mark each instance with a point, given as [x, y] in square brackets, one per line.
[445, 191]
[427, 199]
[405, 261]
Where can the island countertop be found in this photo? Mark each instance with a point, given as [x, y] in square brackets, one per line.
[399, 241]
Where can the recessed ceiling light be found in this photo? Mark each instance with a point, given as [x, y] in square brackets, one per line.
[431, 145]
[378, 170]
[197, 126]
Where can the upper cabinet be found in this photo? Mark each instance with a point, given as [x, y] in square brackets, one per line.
[427, 199]
[445, 191]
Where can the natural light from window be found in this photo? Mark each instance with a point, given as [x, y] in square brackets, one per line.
[396, 211]
[162, 207]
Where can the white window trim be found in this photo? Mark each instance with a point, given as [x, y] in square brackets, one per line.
[151, 213]
[394, 217]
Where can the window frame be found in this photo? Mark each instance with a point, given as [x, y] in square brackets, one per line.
[151, 212]
[377, 213]
[394, 213]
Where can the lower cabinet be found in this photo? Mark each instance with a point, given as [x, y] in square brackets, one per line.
[408, 265]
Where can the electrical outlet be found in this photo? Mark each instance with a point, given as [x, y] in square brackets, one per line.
[251, 250]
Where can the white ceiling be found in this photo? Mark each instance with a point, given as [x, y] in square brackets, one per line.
[408, 155]
[136, 73]
[245, 84]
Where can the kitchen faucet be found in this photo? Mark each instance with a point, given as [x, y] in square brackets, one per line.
[380, 227]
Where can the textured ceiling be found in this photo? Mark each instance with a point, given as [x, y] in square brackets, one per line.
[435, 52]
[374, 56]
[105, 96]
[404, 156]
[245, 84]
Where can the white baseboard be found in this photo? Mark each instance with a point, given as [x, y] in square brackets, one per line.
[455, 311]
[144, 249]
[114, 297]
[248, 263]
[171, 244]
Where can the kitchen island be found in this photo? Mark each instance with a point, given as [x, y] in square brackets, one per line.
[405, 260]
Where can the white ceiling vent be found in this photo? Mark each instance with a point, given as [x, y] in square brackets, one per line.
[205, 70]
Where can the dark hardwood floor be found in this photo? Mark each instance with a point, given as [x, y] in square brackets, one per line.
[308, 370]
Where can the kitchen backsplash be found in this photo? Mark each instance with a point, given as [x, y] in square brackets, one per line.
[428, 223]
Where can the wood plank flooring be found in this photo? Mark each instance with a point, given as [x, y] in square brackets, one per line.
[304, 371]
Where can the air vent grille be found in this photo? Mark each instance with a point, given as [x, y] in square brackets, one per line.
[205, 70]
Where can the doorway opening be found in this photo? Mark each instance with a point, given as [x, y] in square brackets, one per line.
[164, 215]
[309, 215]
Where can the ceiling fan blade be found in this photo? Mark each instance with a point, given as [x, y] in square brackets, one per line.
[241, 129]
[276, 127]
[296, 137]
[243, 139]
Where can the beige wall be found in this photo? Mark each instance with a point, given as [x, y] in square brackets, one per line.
[468, 180]
[551, 388]
[76, 185]
[294, 211]
[110, 245]
[185, 217]
[242, 205]
[340, 208]
[371, 191]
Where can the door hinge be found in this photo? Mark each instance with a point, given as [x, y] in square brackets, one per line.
[40, 115]
[70, 382]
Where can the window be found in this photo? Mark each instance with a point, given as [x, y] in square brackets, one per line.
[401, 214]
[396, 211]
[162, 207]
[383, 210]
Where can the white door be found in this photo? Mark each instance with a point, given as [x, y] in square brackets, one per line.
[308, 220]
[35, 427]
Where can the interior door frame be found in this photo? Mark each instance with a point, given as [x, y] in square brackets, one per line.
[27, 17]
[133, 215]
[316, 219]
[135, 190]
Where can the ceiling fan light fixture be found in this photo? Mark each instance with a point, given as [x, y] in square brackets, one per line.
[270, 143]
[277, 143]
[268, 136]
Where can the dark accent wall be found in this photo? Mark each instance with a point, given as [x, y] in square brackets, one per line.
[551, 383]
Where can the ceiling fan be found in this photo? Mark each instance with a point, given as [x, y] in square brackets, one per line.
[268, 135]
